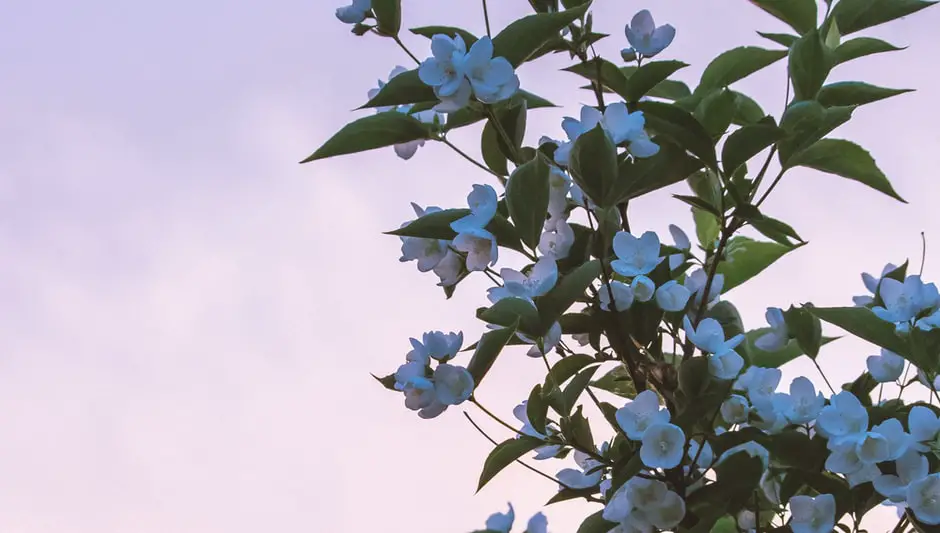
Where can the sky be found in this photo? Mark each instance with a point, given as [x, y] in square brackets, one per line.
[189, 318]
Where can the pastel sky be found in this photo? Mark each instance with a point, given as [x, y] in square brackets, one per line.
[188, 318]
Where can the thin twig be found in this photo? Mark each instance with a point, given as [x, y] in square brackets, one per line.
[824, 376]
[472, 160]
[407, 51]
[923, 253]
[486, 18]
[475, 402]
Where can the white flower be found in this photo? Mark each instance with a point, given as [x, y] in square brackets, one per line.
[428, 252]
[844, 416]
[734, 410]
[639, 504]
[537, 524]
[589, 475]
[682, 242]
[813, 515]
[866, 474]
[725, 366]
[452, 384]
[903, 301]
[663, 445]
[923, 425]
[482, 201]
[559, 185]
[638, 415]
[747, 520]
[449, 269]
[645, 38]
[501, 522]
[923, 497]
[705, 458]
[480, 247]
[778, 335]
[759, 382]
[635, 257]
[898, 440]
[543, 452]
[626, 127]
[643, 288]
[354, 13]
[548, 342]
[696, 282]
[671, 296]
[492, 79]
[751, 448]
[557, 242]
[805, 402]
[886, 367]
[410, 379]
[444, 71]
[910, 467]
[541, 278]
[871, 283]
[441, 346]
[771, 412]
[623, 296]
[843, 457]
[932, 321]
[710, 337]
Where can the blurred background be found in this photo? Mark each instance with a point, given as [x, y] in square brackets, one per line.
[188, 318]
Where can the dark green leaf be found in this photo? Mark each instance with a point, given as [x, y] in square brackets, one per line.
[564, 495]
[388, 15]
[862, 323]
[523, 38]
[707, 228]
[569, 288]
[748, 111]
[784, 39]
[368, 133]
[431, 31]
[716, 111]
[856, 15]
[861, 47]
[504, 454]
[567, 367]
[509, 311]
[488, 349]
[617, 381]
[779, 357]
[648, 76]
[593, 164]
[808, 66]
[846, 159]
[698, 203]
[636, 177]
[677, 124]
[806, 328]
[492, 156]
[405, 88]
[536, 409]
[737, 64]
[728, 316]
[776, 230]
[798, 14]
[746, 143]
[809, 127]
[747, 258]
[437, 226]
[388, 381]
[853, 93]
[527, 198]
[574, 389]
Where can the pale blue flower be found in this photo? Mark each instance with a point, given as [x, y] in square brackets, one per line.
[646, 39]
[354, 13]
[813, 515]
[671, 296]
[886, 367]
[663, 446]
[635, 256]
[778, 336]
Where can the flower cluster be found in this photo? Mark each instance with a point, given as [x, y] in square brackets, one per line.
[432, 391]
[456, 74]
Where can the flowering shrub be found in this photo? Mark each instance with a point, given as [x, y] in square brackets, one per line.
[706, 438]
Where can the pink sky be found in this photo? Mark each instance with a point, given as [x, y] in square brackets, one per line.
[189, 318]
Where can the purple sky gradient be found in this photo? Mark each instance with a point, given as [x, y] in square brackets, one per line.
[189, 318]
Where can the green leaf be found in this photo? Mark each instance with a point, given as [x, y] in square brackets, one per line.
[746, 143]
[846, 159]
[674, 122]
[431, 31]
[488, 349]
[636, 177]
[527, 198]
[725, 524]
[369, 133]
[648, 76]
[737, 64]
[468, 115]
[405, 88]
[504, 454]
[806, 328]
[783, 39]
[509, 311]
[388, 15]
[776, 230]
[798, 14]
[728, 316]
[600, 70]
[523, 38]
[716, 111]
[806, 123]
[596, 524]
[437, 226]
[593, 164]
[748, 111]
[854, 93]
[513, 122]
[862, 323]
[574, 389]
[707, 228]
[569, 288]
[698, 203]
[779, 357]
[492, 156]
[861, 47]
[388, 381]
[747, 258]
[567, 367]
[856, 15]
[808, 66]
[536, 409]
[617, 381]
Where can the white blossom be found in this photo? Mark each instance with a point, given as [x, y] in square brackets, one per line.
[556, 242]
[492, 79]
[910, 467]
[587, 475]
[805, 402]
[643, 288]
[813, 515]
[663, 446]
[540, 279]
[778, 336]
[355, 12]
[623, 296]
[645, 38]
[635, 256]
[671, 296]
[844, 416]
[734, 410]
[501, 522]
[710, 337]
[871, 283]
[924, 425]
[923, 497]
[637, 416]
[886, 367]
[452, 384]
